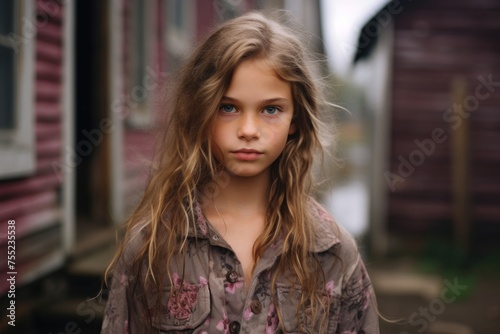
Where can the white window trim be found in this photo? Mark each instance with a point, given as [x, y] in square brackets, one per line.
[18, 156]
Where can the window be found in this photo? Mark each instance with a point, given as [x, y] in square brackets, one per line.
[180, 27]
[146, 31]
[142, 38]
[228, 9]
[7, 64]
[17, 38]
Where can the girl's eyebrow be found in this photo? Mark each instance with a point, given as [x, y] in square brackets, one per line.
[266, 101]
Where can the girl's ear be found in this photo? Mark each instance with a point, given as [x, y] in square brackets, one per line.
[292, 129]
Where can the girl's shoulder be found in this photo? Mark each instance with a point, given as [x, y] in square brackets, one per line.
[328, 234]
[133, 243]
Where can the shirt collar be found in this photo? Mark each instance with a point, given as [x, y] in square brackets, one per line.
[200, 228]
[326, 231]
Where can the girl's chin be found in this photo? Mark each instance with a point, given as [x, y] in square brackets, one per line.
[246, 172]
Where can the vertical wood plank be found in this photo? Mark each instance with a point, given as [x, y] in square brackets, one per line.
[461, 171]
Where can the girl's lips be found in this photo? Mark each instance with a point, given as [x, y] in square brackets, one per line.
[247, 154]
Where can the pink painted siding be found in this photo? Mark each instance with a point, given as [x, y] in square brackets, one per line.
[210, 13]
[138, 151]
[205, 17]
[33, 201]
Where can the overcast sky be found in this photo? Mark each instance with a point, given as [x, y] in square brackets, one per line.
[342, 21]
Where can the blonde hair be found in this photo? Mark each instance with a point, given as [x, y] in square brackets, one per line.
[186, 164]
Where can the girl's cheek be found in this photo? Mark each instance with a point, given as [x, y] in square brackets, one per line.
[267, 133]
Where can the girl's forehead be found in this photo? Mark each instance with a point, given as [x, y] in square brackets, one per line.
[256, 65]
[255, 77]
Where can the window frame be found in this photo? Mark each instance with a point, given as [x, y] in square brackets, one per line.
[140, 114]
[18, 147]
[179, 40]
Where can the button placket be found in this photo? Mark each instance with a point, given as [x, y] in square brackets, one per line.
[232, 276]
[234, 327]
[256, 306]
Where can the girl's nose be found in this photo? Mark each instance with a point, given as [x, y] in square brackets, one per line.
[248, 127]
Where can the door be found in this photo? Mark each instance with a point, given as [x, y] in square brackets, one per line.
[92, 140]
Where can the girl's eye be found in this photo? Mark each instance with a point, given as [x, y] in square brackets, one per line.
[227, 108]
[271, 110]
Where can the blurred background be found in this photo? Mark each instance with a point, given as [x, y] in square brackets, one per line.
[415, 175]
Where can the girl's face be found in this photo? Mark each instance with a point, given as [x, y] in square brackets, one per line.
[254, 120]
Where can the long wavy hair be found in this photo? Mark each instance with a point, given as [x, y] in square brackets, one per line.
[185, 163]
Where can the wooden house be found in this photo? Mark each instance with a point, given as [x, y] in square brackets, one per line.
[432, 85]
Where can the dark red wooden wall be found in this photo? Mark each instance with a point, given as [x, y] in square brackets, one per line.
[436, 42]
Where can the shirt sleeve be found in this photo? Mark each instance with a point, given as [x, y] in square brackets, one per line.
[116, 313]
[358, 308]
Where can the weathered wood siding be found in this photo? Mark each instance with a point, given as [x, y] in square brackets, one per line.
[436, 42]
[33, 201]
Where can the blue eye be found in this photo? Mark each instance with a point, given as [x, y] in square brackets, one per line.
[271, 110]
[227, 108]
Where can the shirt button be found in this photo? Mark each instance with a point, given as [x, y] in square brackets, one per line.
[256, 306]
[234, 327]
[215, 237]
[232, 276]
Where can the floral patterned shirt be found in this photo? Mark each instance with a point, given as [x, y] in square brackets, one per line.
[213, 298]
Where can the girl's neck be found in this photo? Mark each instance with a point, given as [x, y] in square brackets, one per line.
[243, 195]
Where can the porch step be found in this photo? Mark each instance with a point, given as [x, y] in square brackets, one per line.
[93, 264]
[79, 308]
[88, 243]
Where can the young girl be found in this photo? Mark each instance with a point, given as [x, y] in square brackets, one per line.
[227, 238]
